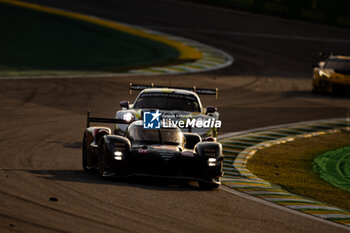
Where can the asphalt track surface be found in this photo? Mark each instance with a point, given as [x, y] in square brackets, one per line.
[42, 122]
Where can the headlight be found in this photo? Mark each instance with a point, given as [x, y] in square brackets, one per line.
[323, 74]
[128, 116]
[212, 162]
[118, 155]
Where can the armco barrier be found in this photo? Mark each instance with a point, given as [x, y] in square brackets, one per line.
[333, 12]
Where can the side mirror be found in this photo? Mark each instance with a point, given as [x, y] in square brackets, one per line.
[321, 64]
[124, 104]
[211, 109]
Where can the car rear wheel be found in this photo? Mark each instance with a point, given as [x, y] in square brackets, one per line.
[315, 90]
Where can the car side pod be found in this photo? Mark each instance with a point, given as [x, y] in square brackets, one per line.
[112, 149]
[116, 143]
[210, 149]
[212, 168]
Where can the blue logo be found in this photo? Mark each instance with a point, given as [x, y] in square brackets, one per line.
[151, 120]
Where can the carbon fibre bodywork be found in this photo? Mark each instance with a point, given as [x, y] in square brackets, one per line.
[190, 108]
[115, 155]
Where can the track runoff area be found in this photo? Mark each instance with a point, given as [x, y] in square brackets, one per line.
[186, 56]
[97, 47]
[241, 146]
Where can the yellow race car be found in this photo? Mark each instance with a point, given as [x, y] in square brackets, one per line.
[332, 75]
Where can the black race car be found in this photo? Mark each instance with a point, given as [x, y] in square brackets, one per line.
[164, 152]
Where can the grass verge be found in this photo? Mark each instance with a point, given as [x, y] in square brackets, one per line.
[290, 165]
[38, 43]
[334, 167]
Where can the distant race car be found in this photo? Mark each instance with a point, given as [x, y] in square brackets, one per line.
[332, 75]
[177, 103]
[164, 152]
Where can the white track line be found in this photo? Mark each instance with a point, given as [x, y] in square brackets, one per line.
[283, 208]
[226, 135]
[257, 35]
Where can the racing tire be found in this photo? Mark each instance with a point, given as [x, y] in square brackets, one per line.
[316, 90]
[84, 155]
[101, 158]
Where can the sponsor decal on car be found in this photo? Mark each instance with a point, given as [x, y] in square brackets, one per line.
[143, 151]
[163, 147]
[166, 155]
[188, 154]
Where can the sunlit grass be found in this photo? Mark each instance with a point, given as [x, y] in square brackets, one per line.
[290, 166]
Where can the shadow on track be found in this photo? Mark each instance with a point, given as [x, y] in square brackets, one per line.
[152, 183]
[310, 95]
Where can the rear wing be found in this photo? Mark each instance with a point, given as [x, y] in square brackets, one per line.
[201, 91]
[103, 120]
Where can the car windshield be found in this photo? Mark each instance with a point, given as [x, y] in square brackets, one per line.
[169, 136]
[338, 64]
[168, 101]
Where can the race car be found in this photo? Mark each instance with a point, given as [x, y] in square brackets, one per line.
[164, 152]
[332, 75]
[174, 103]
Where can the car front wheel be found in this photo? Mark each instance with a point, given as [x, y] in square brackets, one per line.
[210, 184]
[84, 154]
